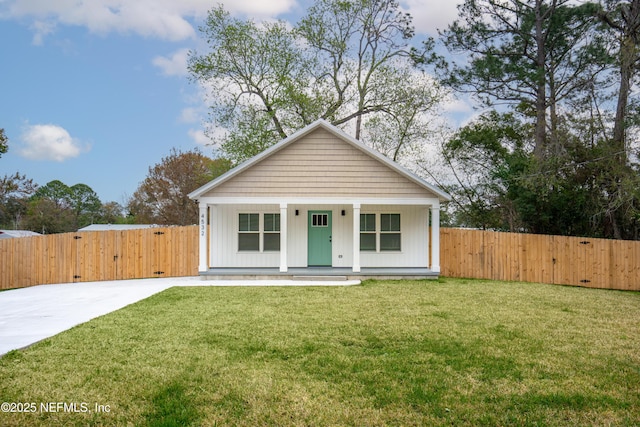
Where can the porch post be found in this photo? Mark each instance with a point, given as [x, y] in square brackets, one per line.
[356, 237]
[203, 262]
[435, 238]
[283, 237]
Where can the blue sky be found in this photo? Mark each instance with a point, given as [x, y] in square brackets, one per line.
[96, 91]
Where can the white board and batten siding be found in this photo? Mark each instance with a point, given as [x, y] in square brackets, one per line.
[225, 226]
[319, 165]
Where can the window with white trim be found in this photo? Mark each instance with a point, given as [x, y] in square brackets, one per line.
[271, 236]
[368, 232]
[249, 232]
[380, 232]
[390, 237]
[258, 236]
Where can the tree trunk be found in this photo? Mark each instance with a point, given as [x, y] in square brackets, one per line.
[541, 95]
[627, 60]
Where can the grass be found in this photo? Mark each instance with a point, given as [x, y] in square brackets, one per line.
[448, 352]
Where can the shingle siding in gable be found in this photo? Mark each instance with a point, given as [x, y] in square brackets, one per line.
[319, 165]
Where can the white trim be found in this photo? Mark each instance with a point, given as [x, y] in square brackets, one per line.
[203, 264]
[435, 239]
[316, 201]
[356, 238]
[441, 195]
[283, 237]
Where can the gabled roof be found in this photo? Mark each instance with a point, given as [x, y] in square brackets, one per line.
[443, 196]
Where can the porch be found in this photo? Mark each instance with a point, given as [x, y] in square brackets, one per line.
[319, 273]
[298, 237]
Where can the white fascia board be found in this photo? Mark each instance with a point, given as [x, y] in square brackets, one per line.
[433, 202]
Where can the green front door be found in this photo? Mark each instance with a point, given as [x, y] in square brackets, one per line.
[319, 238]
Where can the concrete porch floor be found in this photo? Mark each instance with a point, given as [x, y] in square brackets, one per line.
[319, 273]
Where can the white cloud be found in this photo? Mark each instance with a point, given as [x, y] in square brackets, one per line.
[163, 19]
[49, 142]
[41, 29]
[454, 104]
[431, 15]
[175, 65]
[199, 137]
[190, 115]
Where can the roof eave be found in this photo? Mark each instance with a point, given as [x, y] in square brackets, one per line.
[442, 196]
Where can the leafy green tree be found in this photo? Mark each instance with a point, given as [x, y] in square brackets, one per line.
[252, 69]
[85, 204]
[56, 208]
[49, 209]
[4, 142]
[345, 61]
[15, 191]
[57, 192]
[488, 157]
[111, 213]
[623, 18]
[45, 216]
[529, 54]
[621, 203]
[500, 185]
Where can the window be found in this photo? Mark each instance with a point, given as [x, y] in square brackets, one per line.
[385, 239]
[390, 232]
[249, 232]
[271, 237]
[320, 220]
[368, 232]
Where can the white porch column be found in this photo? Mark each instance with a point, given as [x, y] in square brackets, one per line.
[203, 262]
[283, 237]
[435, 238]
[356, 237]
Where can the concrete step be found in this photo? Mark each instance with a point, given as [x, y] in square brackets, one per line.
[320, 278]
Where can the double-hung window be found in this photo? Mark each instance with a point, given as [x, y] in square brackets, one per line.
[271, 237]
[368, 232]
[380, 236]
[255, 235]
[249, 232]
[390, 238]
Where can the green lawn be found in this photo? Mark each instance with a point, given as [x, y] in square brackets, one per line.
[448, 352]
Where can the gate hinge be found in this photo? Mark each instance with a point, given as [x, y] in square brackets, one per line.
[157, 233]
[585, 242]
[77, 277]
[77, 237]
[158, 272]
[585, 281]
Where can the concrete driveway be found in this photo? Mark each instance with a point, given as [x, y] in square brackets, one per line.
[29, 315]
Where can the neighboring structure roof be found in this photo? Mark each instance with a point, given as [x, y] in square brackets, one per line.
[117, 227]
[200, 192]
[7, 234]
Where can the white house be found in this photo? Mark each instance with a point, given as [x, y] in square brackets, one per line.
[319, 203]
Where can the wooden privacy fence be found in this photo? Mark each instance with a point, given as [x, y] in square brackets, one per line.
[173, 252]
[593, 263]
[98, 255]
